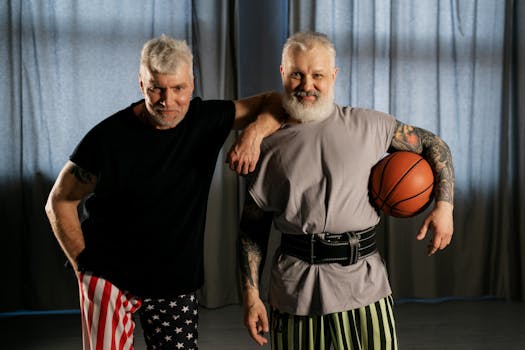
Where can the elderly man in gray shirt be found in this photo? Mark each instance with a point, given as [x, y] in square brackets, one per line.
[328, 284]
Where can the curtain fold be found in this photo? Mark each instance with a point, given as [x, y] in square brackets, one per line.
[11, 207]
[442, 65]
[214, 24]
[512, 194]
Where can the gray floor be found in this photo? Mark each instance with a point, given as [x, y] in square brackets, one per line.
[458, 325]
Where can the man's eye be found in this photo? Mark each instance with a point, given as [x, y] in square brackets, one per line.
[295, 75]
[317, 76]
[155, 90]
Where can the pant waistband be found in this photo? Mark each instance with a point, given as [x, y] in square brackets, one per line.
[345, 248]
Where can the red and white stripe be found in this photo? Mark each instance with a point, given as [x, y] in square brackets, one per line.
[107, 322]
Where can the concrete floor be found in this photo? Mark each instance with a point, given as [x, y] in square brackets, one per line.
[458, 325]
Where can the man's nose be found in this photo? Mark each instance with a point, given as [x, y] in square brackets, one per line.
[166, 97]
[308, 83]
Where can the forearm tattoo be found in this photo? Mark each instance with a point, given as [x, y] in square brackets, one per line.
[253, 243]
[435, 151]
[82, 175]
[251, 256]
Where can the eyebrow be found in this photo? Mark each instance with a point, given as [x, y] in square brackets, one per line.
[315, 71]
[156, 85]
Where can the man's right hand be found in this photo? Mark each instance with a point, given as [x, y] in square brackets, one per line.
[244, 154]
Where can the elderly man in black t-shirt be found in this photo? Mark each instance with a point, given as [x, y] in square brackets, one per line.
[146, 172]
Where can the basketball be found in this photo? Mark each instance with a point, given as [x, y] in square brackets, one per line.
[401, 184]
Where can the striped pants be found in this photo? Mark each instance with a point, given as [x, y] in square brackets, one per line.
[366, 328]
[108, 323]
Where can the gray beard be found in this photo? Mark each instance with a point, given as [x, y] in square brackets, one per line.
[318, 111]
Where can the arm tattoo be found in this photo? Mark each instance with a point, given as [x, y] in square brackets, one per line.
[253, 242]
[435, 151]
[251, 257]
[82, 175]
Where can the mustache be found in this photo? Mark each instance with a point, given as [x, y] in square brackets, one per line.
[302, 93]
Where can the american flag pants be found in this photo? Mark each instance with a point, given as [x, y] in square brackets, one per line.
[108, 322]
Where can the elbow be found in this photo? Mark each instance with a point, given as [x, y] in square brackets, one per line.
[50, 206]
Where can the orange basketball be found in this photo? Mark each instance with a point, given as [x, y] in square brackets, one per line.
[401, 184]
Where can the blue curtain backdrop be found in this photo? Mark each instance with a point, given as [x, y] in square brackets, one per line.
[452, 67]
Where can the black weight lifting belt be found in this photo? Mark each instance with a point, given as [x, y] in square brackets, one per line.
[344, 248]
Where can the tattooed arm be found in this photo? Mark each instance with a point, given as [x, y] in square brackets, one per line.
[72, 185]
[436, 152]
[253, 243]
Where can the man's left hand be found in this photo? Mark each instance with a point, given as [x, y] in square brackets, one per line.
[441, 223]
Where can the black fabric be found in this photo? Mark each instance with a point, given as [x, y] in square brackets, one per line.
[146, 218]
[346, 248]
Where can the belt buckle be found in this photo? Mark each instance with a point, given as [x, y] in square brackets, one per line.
[353, 248]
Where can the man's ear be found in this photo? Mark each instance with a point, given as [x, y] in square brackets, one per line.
[141, 83]
[334, 72]
[281, 70]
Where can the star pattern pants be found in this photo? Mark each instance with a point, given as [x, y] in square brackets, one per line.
[108, 323]
[170, 323]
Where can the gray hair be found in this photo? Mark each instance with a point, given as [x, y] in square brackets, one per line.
[306, 41]
[164, 55]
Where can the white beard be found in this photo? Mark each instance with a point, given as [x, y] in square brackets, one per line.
[304, 113]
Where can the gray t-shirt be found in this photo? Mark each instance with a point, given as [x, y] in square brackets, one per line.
[314, 178]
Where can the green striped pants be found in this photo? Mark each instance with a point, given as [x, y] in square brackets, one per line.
[366, 328]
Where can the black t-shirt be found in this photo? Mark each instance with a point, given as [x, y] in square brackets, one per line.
[146, 217]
